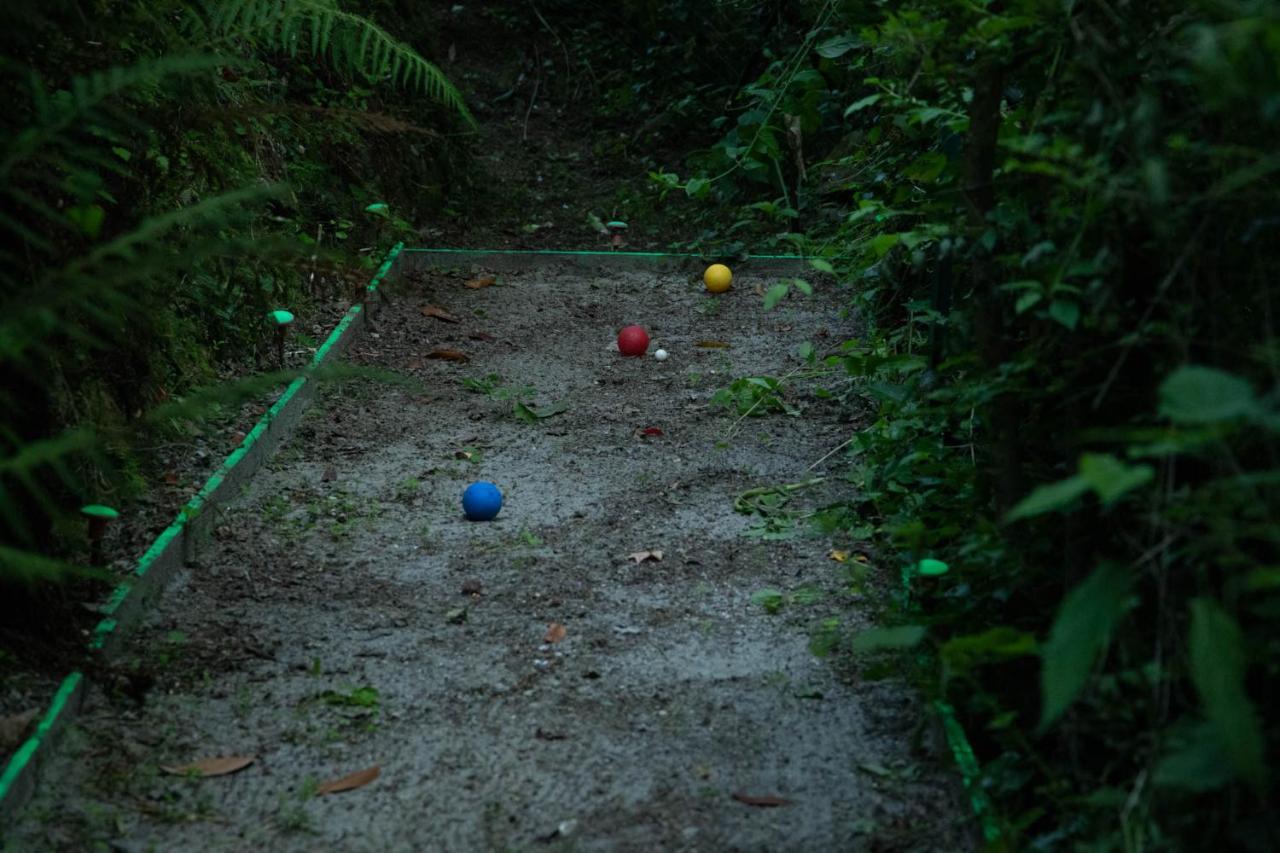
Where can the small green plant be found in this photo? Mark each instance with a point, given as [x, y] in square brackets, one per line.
[493, 386]
[754, 396]
[170, 648]
[710, 307]
[365, 697]
[773, 601]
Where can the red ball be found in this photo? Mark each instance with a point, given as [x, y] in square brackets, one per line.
[633, 341]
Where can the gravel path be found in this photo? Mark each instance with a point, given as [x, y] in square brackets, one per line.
[349, 617]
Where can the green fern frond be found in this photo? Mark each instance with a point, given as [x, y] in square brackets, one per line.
[27, 567]
[352, 42]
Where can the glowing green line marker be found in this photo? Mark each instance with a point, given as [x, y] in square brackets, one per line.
[282, 319]
[99, 517]
[931, 568]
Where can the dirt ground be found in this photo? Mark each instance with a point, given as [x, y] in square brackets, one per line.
[349, 617]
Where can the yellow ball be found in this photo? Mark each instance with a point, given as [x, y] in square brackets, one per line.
[717, 278]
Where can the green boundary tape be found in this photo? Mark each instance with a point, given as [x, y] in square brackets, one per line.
[23, 756]
[958, 740]
[590, 253]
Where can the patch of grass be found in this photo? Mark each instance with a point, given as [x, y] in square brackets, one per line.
[407, 488]
[274, 509]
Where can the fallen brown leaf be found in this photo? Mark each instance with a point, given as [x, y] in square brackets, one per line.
[330, 474]
[171, 477]
[555, 633]
[14, 727]
[448, 354]
[349, 782]
[762, 802]
[480, 281]
[712, 344]
[439, 313]
[641, 556]
[649, 432]
[220, 766]
[481, 336]
[839, 556]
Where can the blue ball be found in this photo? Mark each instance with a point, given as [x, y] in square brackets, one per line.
[481, 501]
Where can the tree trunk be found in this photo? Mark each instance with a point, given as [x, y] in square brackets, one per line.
[1002, 481]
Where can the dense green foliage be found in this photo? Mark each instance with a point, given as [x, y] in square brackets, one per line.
[1059, 220]
[165, 168]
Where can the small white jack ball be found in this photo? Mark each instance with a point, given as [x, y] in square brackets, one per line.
[660, 355]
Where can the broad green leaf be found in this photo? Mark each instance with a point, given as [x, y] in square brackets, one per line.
[697, 187]
[1199, 395]
[774, 295]
[1065, 312]
[1027, 301]
[1110, 477]
[822, 265]
[838, 46]
[1196, 762]
[899, 637]
[1048, 498]
[881, 244]
[861, 104]
[1082, 630]
[1217, 669]
[926, 167]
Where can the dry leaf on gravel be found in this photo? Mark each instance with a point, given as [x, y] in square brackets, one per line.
[481, 336]
[555, 633]
[448, 354]
[13, 728]
[212, 766]
[762, 802]
[439, 313]
[839, 556]
[712, 344]
[330, 474]
[480, 281]
[649, 432]
[641, 556]
[349, 782]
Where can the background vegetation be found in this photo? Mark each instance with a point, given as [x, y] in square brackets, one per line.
[1058, 220]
